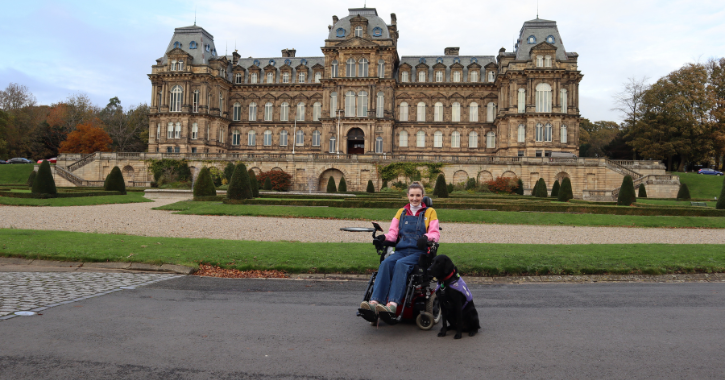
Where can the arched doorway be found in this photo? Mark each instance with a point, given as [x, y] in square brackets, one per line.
[356, 141]
[128, 173]
[325, 177]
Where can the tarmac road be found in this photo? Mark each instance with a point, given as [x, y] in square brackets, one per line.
[202, 328]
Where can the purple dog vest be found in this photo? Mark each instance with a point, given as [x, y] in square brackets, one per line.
[460, 286]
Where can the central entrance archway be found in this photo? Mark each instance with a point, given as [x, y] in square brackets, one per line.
[356, 141]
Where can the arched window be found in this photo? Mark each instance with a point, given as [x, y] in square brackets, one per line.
[270, 78]
[491, 76]
[316, 111]
[455, 139]
[236, 137]
[252, 111]
[333, 69]
[350, 68]
[490, 140]
[362, 104]
[350, 104]
[284, 112]
[381, 69]
[158, 131]
[318, 76]
[438, 139]
[180, 66]
[563, 100]
[539, 132]
[421, 76]
[177, 131]
[547, 132]
[474, 76]
[192, 45]
[173, 65]
[404, 77]
[170, 131]
[301, 78]
[380, 105]
[195, 102]
[268, 138]
[543, 97]
[456, 112]
[473, 112]
[539, 61]
[238, 78]
[333, 104]
[285, 77]
[316, 138]
[473, 140]
[522, 100]
[403, 116]
[420, 139]
[283, 138]
[300, 111]
[421, 111]
[252, 138]
[490, 112]
[562, 133]
[438, 112]
[237, 112]
[358, 31]
[439, 76]
[456, 76]
[522, 133]
[300, 138]
[332, 145]
[403, 139]
[222, 134]
[268, 111]
[176, 95]
[253, 78]
[363, 72]
[177, 44]
[379, 145]
[221, 104]
[547, 61]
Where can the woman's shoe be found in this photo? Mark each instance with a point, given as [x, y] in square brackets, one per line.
[386, 309]
[365, 305]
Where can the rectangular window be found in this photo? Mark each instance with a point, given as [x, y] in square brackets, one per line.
[379, 145]
[332, 145]
[455, 140]
[194, 131]
[177, 132]
[270, 78]
[316, 111]
[169, 149]
[253, 78]
[538, 153]
[420, 140]
[177, 149]
[521, 153]
[421, 76]
[403, 139]
[193, 150]
[318, 76]
[439, 76]
[238, 78]
[285, 78]
[302, 78]
[547, 153]
[456, 76]
[381, 70]
[316, 138]
[404, 77]
[158, 131]
[380, 106]
[300, 139]
[438, 140]
[195, 104]
[333, 104]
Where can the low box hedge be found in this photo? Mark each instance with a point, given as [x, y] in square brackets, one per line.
[210, 198]
[60, 195]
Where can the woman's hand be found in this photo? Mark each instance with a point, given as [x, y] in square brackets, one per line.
[423, 243]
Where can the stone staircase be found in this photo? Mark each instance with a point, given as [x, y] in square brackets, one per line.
[82, 162]
[70, 178]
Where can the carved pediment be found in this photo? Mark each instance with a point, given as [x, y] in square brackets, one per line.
[285, 69]
[238, 69]
[317, 66]
[316, 95]
[456, 95]
[269, 68]
[439, 66]
[179, 53]
[403, 96]
[358, 42]
[491, 66]
[490, 96]
[457, 66]
[406, 66]
[440, 95]
[284, 96]
[254, 69]
[358, 19]
[544, 46]
[473, 66]
[421, 66]
[252, 96]
[302, 68]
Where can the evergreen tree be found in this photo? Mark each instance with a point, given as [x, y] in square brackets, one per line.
[44, 182]
[114, 181]
[520, 189]
[555, 190]
[721, 201]
[331, 185]
[642, 191]
[239, 187]
[471, 184]
[343, 186]
[441, 189]
[371, 187]
[541, 191]
[565, 191]
[449, 189]
[253, 183]
[31, 178]
[204, 185]
[268, 184]
[684, 192]
[229, 171]
[626, 192]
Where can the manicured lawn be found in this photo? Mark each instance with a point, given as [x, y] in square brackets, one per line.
[296, 257]
[131, 197]
[671, 202]
[702, 186]
[15, 173]
[448, 215]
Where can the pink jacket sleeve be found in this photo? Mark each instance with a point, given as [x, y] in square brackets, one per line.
[392, 234]
[433, 233]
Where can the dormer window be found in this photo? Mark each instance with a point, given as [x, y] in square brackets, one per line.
[550, 39]
[404, 77]
[192, 45]
[547, 61]
[531, 39]
[439, 76]
[207, 47]
[301, 78]
[539, 61]
[253, 78]
[456, 76]
[288, 62]
[238, 78]
[270, 78]
[177, 45]
[285, 77]
[340, 33]
[377, 31]
[358, 31]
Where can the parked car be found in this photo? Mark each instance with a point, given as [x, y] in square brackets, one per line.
[709, 172]
[3, 162]
[53, 160]
[18, 160]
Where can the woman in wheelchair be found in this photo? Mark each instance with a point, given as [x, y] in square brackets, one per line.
[412, 228]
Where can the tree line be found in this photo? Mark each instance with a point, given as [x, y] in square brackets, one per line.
[74, 125]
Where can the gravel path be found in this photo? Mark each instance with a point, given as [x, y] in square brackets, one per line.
[140, 219]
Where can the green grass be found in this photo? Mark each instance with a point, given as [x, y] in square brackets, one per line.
[448, 215]
[15, 173]
[671, 202]
[135, 197]
[296, 257]
[702, 186]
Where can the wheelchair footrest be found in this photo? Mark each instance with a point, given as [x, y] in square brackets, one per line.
[388, 318]
[368, 315]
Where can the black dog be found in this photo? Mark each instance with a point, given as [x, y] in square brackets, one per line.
[455, 299]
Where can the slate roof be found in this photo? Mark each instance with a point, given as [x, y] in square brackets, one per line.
[246, 63]
[540, 29]
[373, 21]
[448, 61]
[185, 35]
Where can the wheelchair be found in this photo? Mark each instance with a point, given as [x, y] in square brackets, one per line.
[420, 303]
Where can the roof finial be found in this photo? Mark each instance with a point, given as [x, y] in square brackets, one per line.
[194, 16]
[537, 9]
[365, 4]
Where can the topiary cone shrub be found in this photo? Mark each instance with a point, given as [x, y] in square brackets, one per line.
[555, 190]
[541, 192]
[228, 172]
[268, 184]
[565, 192]
[114, 181]
[239, 187]
[441, 189]
[343, 186]
[44, 182]
[331, 185]
[204, 185]
[450, 188]
[626, 192]
[371, 188]
[684, 192]
[31, 178]
[253, 183]
[642, 191]
[520, 189]
[471, 184]
[721, 201]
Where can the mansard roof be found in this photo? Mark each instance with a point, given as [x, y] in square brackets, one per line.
[374, 21]
[185, 36]
[447, 60]
[540, 29]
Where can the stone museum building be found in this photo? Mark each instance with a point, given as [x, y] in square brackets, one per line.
[360, 97]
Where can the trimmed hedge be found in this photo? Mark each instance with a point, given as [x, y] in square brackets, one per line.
[253, 183]
[721, 201]
[540, 189]
[9, 194]
[555, 190]
[31, 178]
[684, 192]
[565, 192]
[44, 182]
[520, 189]
[441, 189]
[642, 193]
[228, 171]
[240, 187]
[342, 188]
[114, 181]
[371, 187]
[209, 198]
[204, 185]
[268, 184]
[626, 192]
[331, 185]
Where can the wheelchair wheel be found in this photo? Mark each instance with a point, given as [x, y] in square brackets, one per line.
[433, 307]
[425, 320]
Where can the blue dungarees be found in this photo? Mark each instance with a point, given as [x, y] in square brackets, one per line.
[390, 282]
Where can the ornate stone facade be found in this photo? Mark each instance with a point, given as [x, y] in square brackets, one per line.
[360, 97]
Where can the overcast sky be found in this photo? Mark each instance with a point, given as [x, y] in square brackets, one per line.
[106, 48]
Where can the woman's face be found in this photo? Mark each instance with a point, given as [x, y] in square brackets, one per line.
[415, 196]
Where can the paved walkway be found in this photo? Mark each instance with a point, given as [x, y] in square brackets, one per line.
[37, 291]
[140, 219]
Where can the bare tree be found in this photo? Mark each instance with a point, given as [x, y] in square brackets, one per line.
[629, 101]
[15, 97]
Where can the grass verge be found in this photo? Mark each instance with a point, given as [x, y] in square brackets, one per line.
[702, 186]
[131, 197]
[296, 257]
[15, 173]
[449, 215]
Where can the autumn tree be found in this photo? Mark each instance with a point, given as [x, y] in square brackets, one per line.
[127, 128]
[594, 137]
[86, 139]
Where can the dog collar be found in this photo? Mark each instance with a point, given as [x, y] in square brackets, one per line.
[449, 276]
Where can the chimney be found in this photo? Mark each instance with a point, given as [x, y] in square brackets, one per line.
[335, 20]
[451, 51]
[288, 53]
[393, 19]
